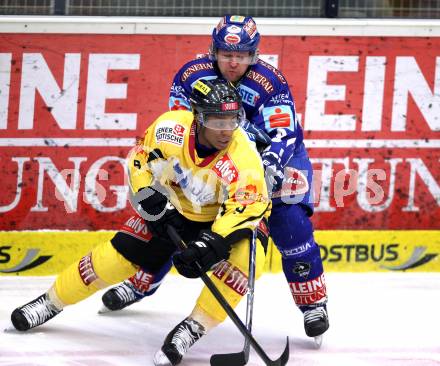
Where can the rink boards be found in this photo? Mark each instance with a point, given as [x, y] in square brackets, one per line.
[75, 92]
[41, 253]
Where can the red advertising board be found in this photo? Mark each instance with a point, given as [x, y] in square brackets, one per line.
[71, 105]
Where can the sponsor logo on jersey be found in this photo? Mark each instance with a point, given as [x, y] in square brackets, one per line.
[278, 116]
[226, 170]
[137, 227]
[169, 131]
[232, 38]
[295, 182]
[142, 280]
[86, 270]
[179, 129]
[260, 79]
[274, 70]
[309, 292]
[282, 98]
[251, 28]
[248, 95]
[194, 68]
[178, 104]
[247, 195]
[235, 279]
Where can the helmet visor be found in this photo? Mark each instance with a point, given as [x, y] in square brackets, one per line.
[227, 122]
[221, 122]
[234, 57]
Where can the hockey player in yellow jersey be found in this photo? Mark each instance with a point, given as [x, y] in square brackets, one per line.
[198, 172]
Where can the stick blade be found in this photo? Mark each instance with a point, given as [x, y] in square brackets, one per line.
[242, 358]
[284, 358]
[229, 359]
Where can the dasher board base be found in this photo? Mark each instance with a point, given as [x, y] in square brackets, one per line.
[42, 253]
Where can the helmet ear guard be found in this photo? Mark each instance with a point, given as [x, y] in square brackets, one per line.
[255, 56]
[212, 52]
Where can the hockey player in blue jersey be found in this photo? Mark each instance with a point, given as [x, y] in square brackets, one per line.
[270, 108]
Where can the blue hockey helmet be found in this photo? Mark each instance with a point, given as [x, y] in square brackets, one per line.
[235, 33]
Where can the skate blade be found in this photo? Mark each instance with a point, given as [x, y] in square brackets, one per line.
[9, 328]
[104, 310]
[318, 341]
[160, 359]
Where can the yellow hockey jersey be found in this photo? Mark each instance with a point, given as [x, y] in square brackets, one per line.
[227, 187]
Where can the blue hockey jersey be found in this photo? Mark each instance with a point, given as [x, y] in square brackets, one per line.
[267, 101]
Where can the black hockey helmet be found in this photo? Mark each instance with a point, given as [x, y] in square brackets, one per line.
[216, 97]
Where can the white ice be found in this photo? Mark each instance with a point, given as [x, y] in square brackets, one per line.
[380, 319]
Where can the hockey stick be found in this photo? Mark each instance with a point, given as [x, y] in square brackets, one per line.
[241, 358]
[282, 360]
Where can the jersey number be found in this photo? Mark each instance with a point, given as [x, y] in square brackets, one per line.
[137, 164]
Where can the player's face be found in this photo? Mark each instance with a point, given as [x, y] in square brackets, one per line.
[233, 64]
[217, 131]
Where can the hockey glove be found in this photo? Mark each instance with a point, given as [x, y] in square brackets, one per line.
[261, 138]
[160, 213]
[208, 249]
[273, 170]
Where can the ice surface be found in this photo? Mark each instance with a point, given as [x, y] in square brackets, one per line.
[380, 319]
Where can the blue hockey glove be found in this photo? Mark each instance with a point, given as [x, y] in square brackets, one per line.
[261, 138]
[208, 249]
[273, 170]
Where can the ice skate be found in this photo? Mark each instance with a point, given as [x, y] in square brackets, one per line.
[177, 343]
[119, 297]
[34, 313]
[316, 323]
